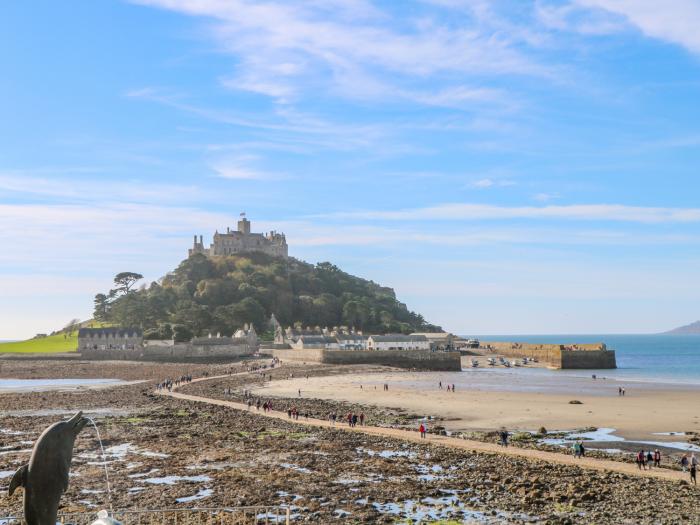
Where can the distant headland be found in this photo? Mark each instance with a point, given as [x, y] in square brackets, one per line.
[689, 329]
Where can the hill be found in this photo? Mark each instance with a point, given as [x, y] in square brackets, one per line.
[689, 329]
[220, 294]
[59, 342]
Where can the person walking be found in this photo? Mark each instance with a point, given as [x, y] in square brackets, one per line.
[422, 430]
[657, 458]
[576, 447]
[693, 472]
[582, 449]
[641, 460]
[650, 459]
[362, 419]
[685, 462]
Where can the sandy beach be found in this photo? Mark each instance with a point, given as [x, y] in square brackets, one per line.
[517, 399]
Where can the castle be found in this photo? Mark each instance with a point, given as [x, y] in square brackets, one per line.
[241, 240]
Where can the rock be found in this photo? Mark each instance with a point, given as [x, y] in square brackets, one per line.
[575, 402]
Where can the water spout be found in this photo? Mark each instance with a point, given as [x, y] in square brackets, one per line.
[104, 463]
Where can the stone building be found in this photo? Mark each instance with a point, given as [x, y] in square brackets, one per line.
[324, 342]
[95, 339]
[241, 240]
[397, 342]
[438, 340]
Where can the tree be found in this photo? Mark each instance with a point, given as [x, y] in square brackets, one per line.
[101, 312]
[124, 281]
[181, 334]
[72, 325]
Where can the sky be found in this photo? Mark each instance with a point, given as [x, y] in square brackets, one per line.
[508, 167]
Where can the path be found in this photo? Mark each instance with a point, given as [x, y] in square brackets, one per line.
[465, 444]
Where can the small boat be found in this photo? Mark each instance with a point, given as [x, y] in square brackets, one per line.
[515, 363]
[506, 363]
[475, 363]
[492, 361]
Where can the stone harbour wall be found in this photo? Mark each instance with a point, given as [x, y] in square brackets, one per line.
[579, 356]
[419, 359]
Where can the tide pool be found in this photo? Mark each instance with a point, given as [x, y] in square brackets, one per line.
[40, 385]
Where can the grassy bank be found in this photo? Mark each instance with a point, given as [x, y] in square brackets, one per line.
[45, 345]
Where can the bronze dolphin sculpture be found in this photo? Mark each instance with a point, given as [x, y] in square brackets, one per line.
[45, 478]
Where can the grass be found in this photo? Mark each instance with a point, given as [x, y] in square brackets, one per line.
[52, 344]
[46, 345]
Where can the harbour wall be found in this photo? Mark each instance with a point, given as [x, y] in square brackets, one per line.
[574, 356]
[419, 359]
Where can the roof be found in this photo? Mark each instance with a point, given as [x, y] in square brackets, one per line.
[351, 337]
[317, 339]
[398, 338]
[110, 331]
[433, 335]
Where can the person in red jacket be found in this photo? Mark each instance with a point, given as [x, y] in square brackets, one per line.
[422, 430]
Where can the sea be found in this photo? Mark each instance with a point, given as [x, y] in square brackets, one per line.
[657, 358]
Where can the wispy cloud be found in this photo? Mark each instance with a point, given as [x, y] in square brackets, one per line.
[243, 167]
[674, 21]
[587, 212]
[491, 183]
[57, 184]
[284, 48]
[545, 197]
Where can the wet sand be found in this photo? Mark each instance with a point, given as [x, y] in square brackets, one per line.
[164, 452]
[516, 399]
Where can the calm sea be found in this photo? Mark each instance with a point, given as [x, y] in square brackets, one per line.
[655, 358]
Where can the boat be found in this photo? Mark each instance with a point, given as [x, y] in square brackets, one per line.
[492, 361]
[473, 343]
[475, 363]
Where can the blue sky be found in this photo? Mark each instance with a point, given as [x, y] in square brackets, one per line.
[506, 166]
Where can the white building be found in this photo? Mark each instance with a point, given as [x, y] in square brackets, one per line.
[398, 342]
[323, 342]
[351, 341]
[438, 340]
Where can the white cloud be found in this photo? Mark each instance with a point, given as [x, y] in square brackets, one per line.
[588, 212]
[490, 183]
[283, 48]
[55, 184]
[545, 197]
[674, 21]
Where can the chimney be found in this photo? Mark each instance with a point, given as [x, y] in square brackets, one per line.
[201, 240]
[195, 239]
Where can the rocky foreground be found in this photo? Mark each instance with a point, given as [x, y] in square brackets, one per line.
[161, 450]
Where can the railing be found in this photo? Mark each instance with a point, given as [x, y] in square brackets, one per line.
[257, 515]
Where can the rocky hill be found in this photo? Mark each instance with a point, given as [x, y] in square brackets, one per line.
[221, 294]
[689, 329]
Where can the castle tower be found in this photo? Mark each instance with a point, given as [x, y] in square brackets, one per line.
[244, 225]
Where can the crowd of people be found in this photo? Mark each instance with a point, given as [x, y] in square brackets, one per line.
[647, 460]
[169, 383]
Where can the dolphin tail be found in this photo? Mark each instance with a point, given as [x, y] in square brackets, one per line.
[19, 479]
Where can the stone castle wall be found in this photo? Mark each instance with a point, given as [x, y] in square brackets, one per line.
[558, 356]
[420, 359]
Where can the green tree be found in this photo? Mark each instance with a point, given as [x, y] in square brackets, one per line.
[124, 282]
[101, 312]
